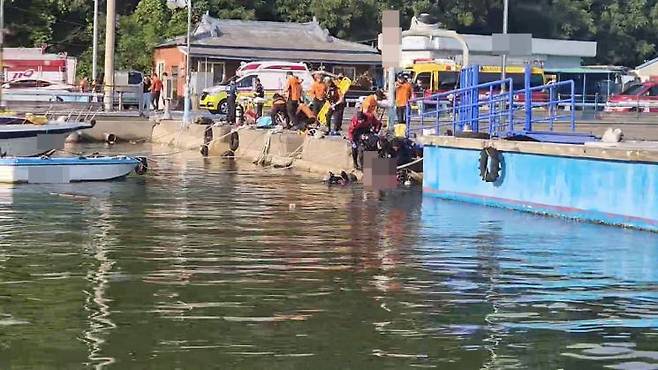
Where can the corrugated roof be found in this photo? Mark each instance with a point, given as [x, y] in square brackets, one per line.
[243, 40]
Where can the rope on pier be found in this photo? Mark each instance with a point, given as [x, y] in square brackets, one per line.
[265, 150]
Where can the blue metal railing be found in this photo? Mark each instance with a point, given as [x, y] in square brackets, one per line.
[552, 106]
[491, 108]
[462, 107]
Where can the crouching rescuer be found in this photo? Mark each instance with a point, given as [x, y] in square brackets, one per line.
[363, 135]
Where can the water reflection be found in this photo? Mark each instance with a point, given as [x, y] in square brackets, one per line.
[209, 261]
[101, 231]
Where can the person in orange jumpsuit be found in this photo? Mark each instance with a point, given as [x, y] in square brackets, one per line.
[318, 93]
[293, 91]
[370, 103]
[403, 92]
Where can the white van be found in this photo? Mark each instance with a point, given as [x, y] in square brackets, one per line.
[272, 75]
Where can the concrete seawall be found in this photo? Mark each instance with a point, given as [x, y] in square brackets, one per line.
[282, 149]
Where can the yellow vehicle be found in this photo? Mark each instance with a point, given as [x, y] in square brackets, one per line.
[430, 76]
[271, 74]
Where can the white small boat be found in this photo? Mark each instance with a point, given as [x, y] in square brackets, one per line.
[46, 170]
[20, 138]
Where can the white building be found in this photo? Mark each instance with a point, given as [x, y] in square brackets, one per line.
[548, 53]
[647, 70]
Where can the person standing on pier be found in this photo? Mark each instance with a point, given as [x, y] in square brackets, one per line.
[156, 89]
[318, 93]
[146, 97]
[232, 98]
[293, 91]
[259, 94]
[335, 114]
[403, 93]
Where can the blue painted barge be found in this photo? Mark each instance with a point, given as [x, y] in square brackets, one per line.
[614, 184]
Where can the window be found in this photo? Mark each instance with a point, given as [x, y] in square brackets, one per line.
[653, 91]
[160, 68]
[212, 73]
[23, 84]
[135, 78]
[423, 79]
[247, 82]
[633, 89]
[349, 72]
[448, 80]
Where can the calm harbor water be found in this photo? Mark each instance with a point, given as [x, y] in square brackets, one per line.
[215, 264]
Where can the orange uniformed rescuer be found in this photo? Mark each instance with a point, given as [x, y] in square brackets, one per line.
[369, 105]
[293, 90]
[318, 93]
[403, 92]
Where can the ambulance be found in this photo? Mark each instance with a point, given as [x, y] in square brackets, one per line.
[272, 75]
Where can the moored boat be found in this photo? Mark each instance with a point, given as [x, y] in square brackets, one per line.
[21, 138]
[47, 170]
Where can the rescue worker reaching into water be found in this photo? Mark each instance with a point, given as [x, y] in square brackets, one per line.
[293, 91]
[278, 106]
[361, 125]
[403, 93]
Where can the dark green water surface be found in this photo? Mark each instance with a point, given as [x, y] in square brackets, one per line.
[211, 264]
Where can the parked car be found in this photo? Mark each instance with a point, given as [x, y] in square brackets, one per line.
[272, 76]
[35, 89]
[637, 97]
[36, 84]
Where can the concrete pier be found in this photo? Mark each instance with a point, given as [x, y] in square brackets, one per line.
[125, 129]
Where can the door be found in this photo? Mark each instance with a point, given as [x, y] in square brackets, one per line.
[652, 99]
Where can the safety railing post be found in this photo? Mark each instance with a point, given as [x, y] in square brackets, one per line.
[438, 116]
[551, 108]
[475, 99]
[510, 109]
[454, 114]
[528, 98]
[573, 106]
[407, 120]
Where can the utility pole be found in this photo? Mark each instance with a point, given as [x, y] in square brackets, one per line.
[503, 74]
[188, 72]
[110, 30]
[2, 46]
[94, 57]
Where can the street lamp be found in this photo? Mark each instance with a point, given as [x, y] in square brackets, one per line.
[174, 4]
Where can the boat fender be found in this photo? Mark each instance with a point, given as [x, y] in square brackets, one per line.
[204, 150]
[142, 166]
[110, 138]
[92, 123]
[489, 164]
[234, 142]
